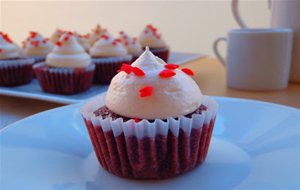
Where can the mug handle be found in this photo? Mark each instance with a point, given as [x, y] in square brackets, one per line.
[236, 12]
[216, 50]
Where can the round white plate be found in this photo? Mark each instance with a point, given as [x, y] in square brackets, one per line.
[254, 145]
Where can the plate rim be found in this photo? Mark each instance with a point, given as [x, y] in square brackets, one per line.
[217, 98]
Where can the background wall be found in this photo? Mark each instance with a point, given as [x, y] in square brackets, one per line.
[188, 26]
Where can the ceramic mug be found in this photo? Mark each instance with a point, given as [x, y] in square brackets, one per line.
[286, 14]
[257, 59]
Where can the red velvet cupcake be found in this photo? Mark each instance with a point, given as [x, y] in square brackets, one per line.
[68, 68]
[154, 122]
[151, 38]
[14, 70]
[108, 55]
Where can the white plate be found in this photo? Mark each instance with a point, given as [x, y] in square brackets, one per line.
[33, 90]
[254, 145]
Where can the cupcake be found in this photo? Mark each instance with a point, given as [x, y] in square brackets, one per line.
[14, 69]
[67, 69]
[154, 122]
[37, 47]
[108, 55]
[97, 32]
[56, 35]
[151, 38]
[83, 41]
[132, 45]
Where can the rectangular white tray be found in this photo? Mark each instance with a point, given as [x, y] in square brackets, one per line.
[33, 90]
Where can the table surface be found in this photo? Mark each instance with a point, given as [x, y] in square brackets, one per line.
[209, 75]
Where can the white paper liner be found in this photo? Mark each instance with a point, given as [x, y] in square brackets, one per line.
[112, 59]
[16, 62]
[144, 128]
[65, 70]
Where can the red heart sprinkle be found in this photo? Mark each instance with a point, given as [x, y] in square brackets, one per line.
[167, 73]
[106, 37]
[33, 34]
[126, 43]
[137, 71]
[188, 71]
[126, 68]
[136, 120]
[35, 43]
[171, 66]
[58, 43]
[66, 38]
[146, 91]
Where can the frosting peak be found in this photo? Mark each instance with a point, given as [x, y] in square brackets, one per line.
[97, 32]
[68, 53]
[152, 89]
[107, 46]
[37, 45]
[7, 48]
[83, 41]
[150, 37]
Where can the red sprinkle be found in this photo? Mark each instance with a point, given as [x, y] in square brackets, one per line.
[114, 43]
[126, 43]
[70, 33]
[137, 71]
[121, 32]
[188, 71]
[35, 43]
[118, 40]
[45, 40]
[58, 43]
[126, 68]
[167, 73]
[136, 120]
[106, 37]
[1, 50]
[171, 66]
[146, 91]
[33, 34]
[66, 38]
[7, 38]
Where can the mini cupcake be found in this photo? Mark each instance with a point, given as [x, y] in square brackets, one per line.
[151, 38]
[108, 55]
[155, 122]
[56, 35]
[68, 68]
[97, 32]
[132, 45]
[83, 41]
[37, 47]
[14, 70]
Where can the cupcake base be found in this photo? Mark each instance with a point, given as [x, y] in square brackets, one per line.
[64, 80]
[133, 150]
[15, 72]
[107, 67]
[162, 53]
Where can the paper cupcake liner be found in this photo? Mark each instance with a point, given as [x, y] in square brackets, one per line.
[146, 150]
[64, 80]
[106, 68]
[162, 53]
[14, 72]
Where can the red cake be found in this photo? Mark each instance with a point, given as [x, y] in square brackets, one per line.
[154, 122]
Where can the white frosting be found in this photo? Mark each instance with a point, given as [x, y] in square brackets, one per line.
[56, 35]
[151, 38]
[68, 54]
[7, 48]
[172, 97]
[107, 46]
[83, 41]
[37, 45]
[97, 32]
[132, 45]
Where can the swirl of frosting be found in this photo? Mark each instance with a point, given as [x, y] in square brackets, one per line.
[107, 46]
[37, 45]
[96, 34]
[151, 91]
[68, 53]
[8, 49]
[132, 45]
[83, 41]
[149, 37]
[56, 35]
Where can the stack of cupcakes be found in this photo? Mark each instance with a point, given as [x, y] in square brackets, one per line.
[67, 69]
[155, 122]
[14, 69]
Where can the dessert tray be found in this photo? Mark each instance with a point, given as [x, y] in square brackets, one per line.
[34, 91]
[255, 145]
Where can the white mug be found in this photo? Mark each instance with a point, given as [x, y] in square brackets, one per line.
[257, 59]
[286, 14]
